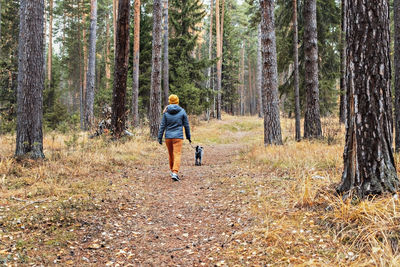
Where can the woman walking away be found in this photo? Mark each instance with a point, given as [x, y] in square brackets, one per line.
[173, 121]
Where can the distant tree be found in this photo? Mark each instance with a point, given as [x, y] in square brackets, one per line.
[50, 51]
[165, 55]
[210, 52]
[136, 61]
[30, 80]
[121, 69]
[296, 72]
[369, 166]
[312, 120]
[342, 101]
[90, 82]
[272, 127]
[218, 24]
[155, 93]
[259, 72]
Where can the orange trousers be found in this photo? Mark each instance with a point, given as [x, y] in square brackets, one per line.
[174, 150]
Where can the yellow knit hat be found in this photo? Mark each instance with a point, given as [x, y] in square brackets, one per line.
[173, 99]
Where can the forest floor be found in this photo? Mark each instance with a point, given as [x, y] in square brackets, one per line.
[104, 203]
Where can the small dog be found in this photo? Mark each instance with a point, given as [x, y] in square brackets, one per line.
[199, 155]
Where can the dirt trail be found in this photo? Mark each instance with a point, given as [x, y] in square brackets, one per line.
[166, 223]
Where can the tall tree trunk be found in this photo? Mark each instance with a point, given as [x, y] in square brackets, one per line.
[165, 62]
[89, 117]
[29, 141]
[272, 124]
[342, 105]
[259, 70]
[155, 96]
[396, 11]
[108, 63]
[369, 166]
[296, 71]
[115, 17]
[312, 121]
[85, 60]
[250, 86]
[118, 117]
[50, 52]
[136, 51]
[210, 45]
[242, 82]
[219, 56]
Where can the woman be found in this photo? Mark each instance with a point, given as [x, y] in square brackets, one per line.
[173, 121]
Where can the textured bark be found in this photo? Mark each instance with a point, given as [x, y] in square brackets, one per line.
[29, 141]
[396, 11]
[118, 117]
[155, 95]
[296, 72]
[115, 17]
[108, 63]
[210, 45]
[219, 56]
[369, 166]
[312, 121]
[50, 52]
[272, 126]
[250, 88]
[342, 103]
[89, 117]
[241, 78]
[259, 70]
[136, 51]
[165, 53]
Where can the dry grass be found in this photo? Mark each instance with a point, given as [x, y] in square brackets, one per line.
[288, 190]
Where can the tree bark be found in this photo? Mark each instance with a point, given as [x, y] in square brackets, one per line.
[342, 105]
[108, 63]
[259, 70]
[396, 11]
[312, 121]
[250, 89]
[369, 166]
[89, 116]
[50, 52]
[118, 117]
[210, 45]
[219, 56]
[272, 126]
[115, 17]
[296, 72]
[155, 96]
[165, 62]
[242, 82]
[29, 141]
[136, 51]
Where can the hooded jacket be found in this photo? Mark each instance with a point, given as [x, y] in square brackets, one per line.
[172, 122]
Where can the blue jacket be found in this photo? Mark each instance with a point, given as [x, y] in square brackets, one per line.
[172, 122]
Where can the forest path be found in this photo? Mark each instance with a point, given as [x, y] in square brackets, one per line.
[154, 221]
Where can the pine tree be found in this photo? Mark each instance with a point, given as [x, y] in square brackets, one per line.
[312, 121]
[369, 166]
[89, 115]
[30, 80]
[121, 69]
[165, 54]
[296, 72]
[155, 93]
[272, 127]
[187, 73]
[135, 71]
